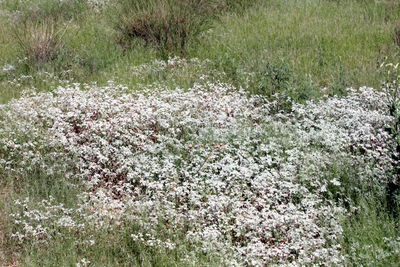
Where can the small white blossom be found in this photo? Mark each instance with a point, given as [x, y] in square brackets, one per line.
[8, 68]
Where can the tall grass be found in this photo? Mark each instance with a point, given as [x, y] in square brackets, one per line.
[333, 44]
[318, 43]
[371, 236]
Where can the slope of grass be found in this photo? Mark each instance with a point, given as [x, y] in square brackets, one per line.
[334, 44]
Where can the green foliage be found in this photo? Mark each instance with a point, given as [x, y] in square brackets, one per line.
[56, 11]
[396, 35]
[170, 24]
[238, 6]
[276, 78]
[112, 248]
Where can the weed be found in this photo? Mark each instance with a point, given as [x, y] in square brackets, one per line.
[371, 236]
[397, 35]
[392, 86]
[238, 6]
[278, 82]
[275, 78]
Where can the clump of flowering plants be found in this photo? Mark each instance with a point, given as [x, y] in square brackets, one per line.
[252, 185]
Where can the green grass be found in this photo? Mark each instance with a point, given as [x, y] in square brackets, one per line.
[114, 248]
[333, 44]
[367, 235]
[317, 43]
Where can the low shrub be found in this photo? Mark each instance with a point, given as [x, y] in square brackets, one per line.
[274, 78]
[277, 81]
[167, 24]
[41, 41]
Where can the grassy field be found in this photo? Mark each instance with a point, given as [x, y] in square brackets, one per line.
[311, 44]
[225, 88]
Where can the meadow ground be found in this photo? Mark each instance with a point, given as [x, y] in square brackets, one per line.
[199, 133]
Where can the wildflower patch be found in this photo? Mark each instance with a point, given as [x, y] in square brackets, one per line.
[238, 179]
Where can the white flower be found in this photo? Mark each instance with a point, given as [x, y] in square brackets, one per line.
[8, 68]
[240, 180]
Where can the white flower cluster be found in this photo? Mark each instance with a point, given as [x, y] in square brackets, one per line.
[39, 223]
[176, 71]
[83, 262]
[26, 83]
[238, 179]
[8, 68]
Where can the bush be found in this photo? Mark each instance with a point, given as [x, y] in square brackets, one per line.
[41, 41]
[168, 24]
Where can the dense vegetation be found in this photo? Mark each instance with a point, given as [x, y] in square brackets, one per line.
[199, 133]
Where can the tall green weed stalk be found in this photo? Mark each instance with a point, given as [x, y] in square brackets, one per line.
[392, 85]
